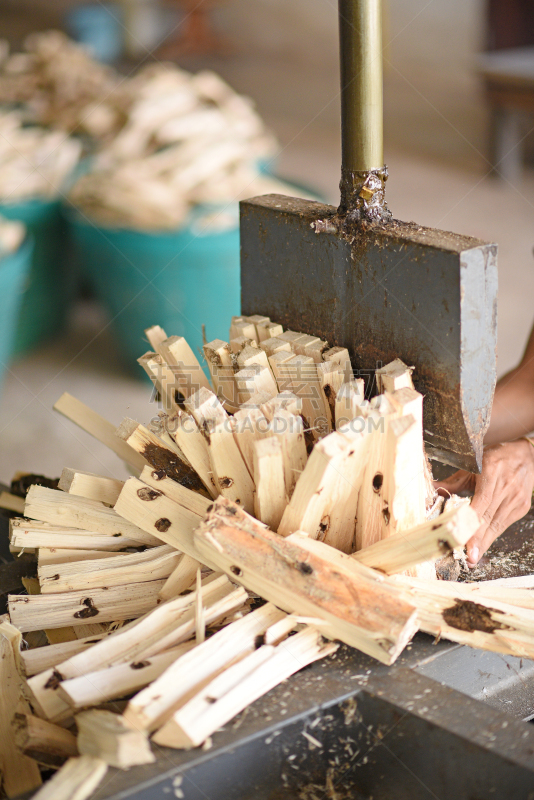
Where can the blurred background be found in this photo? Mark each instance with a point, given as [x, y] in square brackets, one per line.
[131, 208]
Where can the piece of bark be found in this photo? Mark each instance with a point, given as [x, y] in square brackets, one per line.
[159, 455]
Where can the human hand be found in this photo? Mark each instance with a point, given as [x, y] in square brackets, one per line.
[502, 492]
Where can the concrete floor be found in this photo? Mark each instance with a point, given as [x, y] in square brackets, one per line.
[452, 193]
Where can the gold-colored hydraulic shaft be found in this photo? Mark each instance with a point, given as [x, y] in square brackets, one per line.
[360, 25]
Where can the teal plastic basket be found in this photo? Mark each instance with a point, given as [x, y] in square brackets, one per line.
[14, 269]
[179, 280]
[51, 284]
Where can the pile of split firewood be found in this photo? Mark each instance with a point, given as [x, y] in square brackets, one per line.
[276, 512]
[188, 140]
[165, 140]
[34, 162]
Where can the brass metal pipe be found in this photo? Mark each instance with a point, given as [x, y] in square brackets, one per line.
[363, 174]
[360, 31]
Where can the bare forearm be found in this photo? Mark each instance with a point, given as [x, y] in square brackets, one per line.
[512, 415]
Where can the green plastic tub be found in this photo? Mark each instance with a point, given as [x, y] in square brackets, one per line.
[50, 285]
[14, 270]
[179, 280]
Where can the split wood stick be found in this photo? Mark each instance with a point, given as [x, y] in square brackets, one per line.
[430, 540]
[165, 381]
[326, 494]
[408, 401]
[300, 345]
[206, 409]
[61, 635]
[12, 502]
[121, 680]
[291, 337]
[167, 626]
[286, 401]
[53, 555]
[340, 356]
[370, 519]
[404, 489]
[56, 507]
[192, 501]
[46, 743]
[179, 356]
[489, 624]
[240, 326]
[257, 400]
[289, 430]
[281, 375]
[252, 355]
[268, 330]
[105, 735]
[249, 426]
[155, 335]
[181, 578]
[155, 704]
[159, 455]
[153, 564]
[348, 403]
[270, 498]
[187, 435]
[200, 623]
[91, 422]
[257, 319]
[239, 344]
[239, 686]
[33, 613]
[19, 773]
[25, 538]
[221, 366]
[93, 487]
[42, 658]
[305, 384]
[380, 623]
[523, 598]
[76, 780]
[395, 375]
[230, 472]
[154, 511]
[254, 379]
[331, 379]
[275, 345]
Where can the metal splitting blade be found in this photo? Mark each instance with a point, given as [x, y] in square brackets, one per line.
[386, 291]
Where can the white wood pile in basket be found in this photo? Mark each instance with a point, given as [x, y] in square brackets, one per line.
[274, 513]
